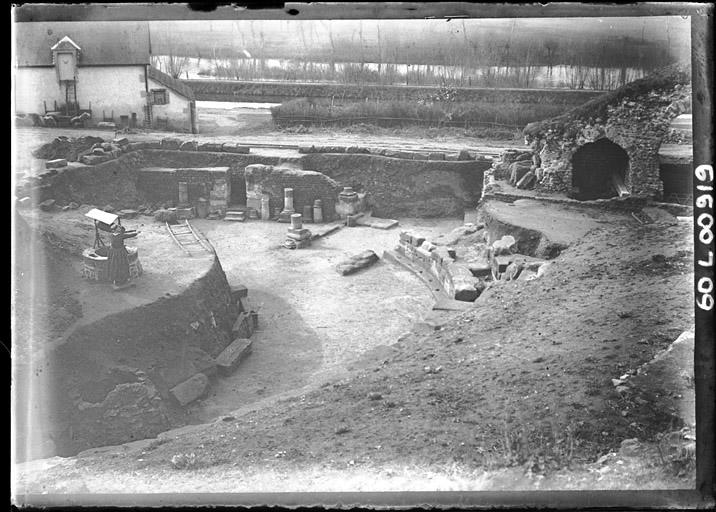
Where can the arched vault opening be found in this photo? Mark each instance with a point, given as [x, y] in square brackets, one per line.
[599, 170]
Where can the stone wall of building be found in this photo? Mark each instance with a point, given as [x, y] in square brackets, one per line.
[307, 187]
[637, 124]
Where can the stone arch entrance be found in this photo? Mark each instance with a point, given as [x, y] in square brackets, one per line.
[595, 169]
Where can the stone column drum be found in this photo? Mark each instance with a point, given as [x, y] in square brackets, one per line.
[296, 221]
[317, 211]
[288, 209]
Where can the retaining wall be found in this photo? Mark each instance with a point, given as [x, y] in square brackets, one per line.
[398, 187]
[112, 377]
[456, 280]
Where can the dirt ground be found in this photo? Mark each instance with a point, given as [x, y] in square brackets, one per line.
[516, 394]
[313, 321]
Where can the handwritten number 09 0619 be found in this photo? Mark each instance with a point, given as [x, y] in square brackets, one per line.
[705, 221]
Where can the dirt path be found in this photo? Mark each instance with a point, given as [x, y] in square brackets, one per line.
[313, 321]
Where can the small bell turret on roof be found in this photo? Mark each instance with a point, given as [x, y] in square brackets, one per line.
[65, 44]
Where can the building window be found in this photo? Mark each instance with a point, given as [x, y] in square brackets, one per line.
[159, 97]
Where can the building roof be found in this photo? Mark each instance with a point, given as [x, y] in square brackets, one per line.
[170, 82]
[65, 44]
[103, 43]
[662, 79]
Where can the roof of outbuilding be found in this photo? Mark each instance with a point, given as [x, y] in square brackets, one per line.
[662, 79]
[170, 82]
[102, 43]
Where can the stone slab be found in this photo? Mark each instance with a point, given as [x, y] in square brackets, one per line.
[209, 146]
[320, 230]
[452, 305]
[374, 222]
[191, 389]
[243, 327]
[238, 291]
[235, 148]
[127, 214]
[245, 305]
[231, 356]
[56, 164]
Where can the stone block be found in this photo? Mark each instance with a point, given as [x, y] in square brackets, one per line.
[121, 141]
[243, 327]
[56, 164]
[106, 125]
[464, 155]
[423, 254]
[185, 213]
[170, 144]
[189, 145]
[153, 144]
[465, 290]
[47, 205]
[441, 255]
[436, 156]
[480, 268]
[405, 237]
[191, 389]
[357, 262]
[209, 146]
[231, 356]
[244, 305]
[238, 291]
[98, 151]
[235, 148]
[505, 245]
[458, 271]
[135, 146]
[127, 214]
[299, 234]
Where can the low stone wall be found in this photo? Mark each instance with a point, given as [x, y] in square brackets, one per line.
[111, 378]
[227, 90]
[405, 188]
[307, 187]
[456, 280]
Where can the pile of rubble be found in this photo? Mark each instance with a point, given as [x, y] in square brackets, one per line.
[66, 148]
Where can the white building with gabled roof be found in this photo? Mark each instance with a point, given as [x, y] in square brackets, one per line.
[101, 68]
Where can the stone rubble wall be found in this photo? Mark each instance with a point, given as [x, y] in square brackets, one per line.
[637, 124]
[307, 187]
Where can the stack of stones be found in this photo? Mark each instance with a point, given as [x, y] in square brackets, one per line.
[297, 237]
